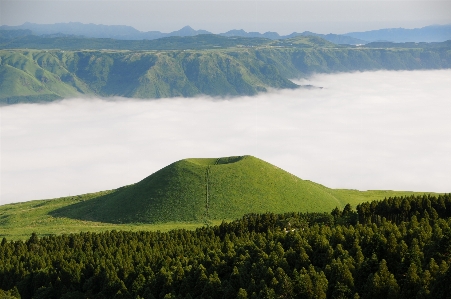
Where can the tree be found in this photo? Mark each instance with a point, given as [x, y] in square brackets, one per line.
[412, 282]
[341, 282]
[382, 285]
[242, 294]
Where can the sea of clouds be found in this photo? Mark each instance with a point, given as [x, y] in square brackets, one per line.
[368, 130]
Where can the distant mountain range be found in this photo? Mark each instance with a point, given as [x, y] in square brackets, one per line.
[123, 32]
[334, 38]
[436, 33]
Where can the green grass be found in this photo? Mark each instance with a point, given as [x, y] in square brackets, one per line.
[176, 197]
[19, 220]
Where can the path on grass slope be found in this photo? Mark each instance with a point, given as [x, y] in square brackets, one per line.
[207, 215]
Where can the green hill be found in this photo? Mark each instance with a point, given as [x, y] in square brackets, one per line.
[203, 190]
[188, 194]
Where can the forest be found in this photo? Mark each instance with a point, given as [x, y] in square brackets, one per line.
[399, 247]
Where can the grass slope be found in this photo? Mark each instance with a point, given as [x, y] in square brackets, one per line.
[176, 196]
[174, 193]
[19, 220]
[250, 185]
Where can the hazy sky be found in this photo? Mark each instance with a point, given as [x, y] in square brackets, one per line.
[218, 16]
[371, 130]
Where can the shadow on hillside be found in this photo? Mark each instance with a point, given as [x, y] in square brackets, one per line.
[98, 209]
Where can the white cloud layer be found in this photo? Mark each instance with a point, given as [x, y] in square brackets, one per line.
[371, 130]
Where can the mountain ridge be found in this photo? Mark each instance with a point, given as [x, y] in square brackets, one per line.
[28, 76]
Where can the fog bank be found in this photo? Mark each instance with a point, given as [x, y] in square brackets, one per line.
[371, 130]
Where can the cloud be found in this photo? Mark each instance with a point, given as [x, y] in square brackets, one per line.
[370, 130]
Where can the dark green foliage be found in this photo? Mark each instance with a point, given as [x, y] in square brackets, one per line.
[10, 294]
[398, 209]
[254, 257]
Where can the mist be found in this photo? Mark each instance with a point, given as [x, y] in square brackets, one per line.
[370, 130]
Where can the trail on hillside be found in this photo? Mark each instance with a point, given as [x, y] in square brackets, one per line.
[207, 190]
[207, 214]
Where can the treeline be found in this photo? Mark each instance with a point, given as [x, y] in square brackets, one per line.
[400, 209]
[345, 254]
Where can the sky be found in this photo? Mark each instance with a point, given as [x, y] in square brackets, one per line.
[284, 17]
[373, 130]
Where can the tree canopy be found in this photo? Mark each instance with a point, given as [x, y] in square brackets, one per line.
[394, 248]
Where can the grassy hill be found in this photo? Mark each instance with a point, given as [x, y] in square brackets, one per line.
[203, 190]
[188, 193]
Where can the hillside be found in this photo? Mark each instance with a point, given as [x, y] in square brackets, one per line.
[176, 197]
[45, 75]
[205, 189]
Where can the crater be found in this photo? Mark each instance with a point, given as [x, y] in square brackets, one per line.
[215, 161]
